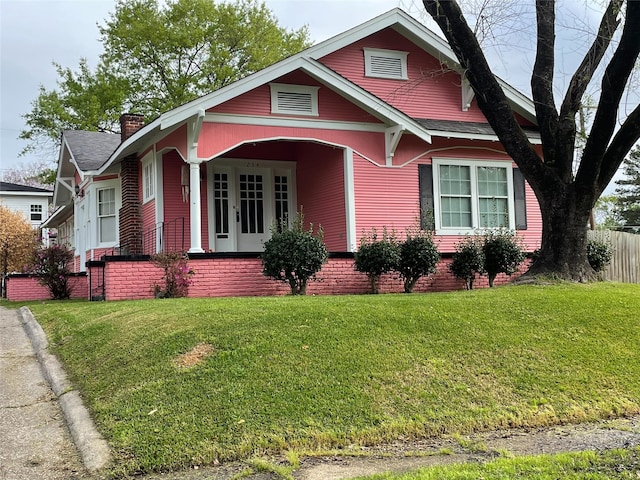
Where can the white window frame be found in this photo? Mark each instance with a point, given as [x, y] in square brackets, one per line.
[475, 197]
[148, 179]
[369, 53]
[100, 217]
[35, 209]
[277, 88]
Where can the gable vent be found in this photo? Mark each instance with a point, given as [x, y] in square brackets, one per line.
[294, 99]
[390, 64]
[300, 103]
[386, 67]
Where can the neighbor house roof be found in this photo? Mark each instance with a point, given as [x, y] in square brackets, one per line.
[25, 189]
[456, 128]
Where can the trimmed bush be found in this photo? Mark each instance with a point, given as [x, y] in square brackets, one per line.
[376, 257]
[294, 255]
[468, 261]
[418, 257]
[599, 254]
[503, 253]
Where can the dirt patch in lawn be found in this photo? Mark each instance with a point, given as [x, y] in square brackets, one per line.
[194, 356]
[403, 456]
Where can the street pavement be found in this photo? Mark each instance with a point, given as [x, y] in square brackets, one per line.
[35, 440]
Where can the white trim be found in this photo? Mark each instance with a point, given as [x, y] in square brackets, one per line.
[317, 124]
[475, 221]
[374, 71]
[159, 210]
[350, 199]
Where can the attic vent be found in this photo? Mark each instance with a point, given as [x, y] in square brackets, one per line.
[385, 63]
[294, 99]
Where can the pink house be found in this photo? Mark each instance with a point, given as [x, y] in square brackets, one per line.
[374, 127]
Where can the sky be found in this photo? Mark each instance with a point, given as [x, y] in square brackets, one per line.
[36, 33]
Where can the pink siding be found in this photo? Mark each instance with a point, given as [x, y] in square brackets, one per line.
[149, 226]
[430, 91]
[321, 193]
[23, 288]
[175, 140]
[331, 106]
[216, 138]
[221, 278]
[175, 209]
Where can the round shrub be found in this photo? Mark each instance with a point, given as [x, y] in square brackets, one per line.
[294, 255]
[418, 257]
[468, 260]
[503, 253]
[376, 257]
[599, 254]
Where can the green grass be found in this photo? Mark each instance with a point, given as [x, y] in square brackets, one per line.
[315, 373]
[607, 465]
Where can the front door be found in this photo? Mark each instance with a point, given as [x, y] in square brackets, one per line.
[253, 212]
[246, 198]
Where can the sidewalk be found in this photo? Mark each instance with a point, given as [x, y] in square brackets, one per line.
[34, 439]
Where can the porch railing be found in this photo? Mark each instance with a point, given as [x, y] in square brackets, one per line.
[165, 237]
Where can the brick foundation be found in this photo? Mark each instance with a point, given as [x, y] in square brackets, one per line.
[23, 288]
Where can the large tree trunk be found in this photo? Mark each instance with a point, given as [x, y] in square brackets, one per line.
[563, 253]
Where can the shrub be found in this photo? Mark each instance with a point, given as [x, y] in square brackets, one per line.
[177, 274]
[376, 257]
[468, 260]
[503, 253]
[52, 265]
[599, 254]
[418, 257]
[294, 255]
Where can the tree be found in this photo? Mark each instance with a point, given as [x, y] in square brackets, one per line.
[606, 213]
[565, 198]
[627, 207]
[18, 239]
[32, 174]
[159, 55]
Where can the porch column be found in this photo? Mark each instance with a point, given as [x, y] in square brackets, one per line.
[350, 200]
[194, 210]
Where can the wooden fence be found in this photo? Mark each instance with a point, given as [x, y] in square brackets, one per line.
[625, 263]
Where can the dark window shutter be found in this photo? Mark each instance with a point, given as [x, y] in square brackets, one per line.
[519, 200]
[425, 178]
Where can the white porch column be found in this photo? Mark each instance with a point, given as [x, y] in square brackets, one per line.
[350, 200]
[194, 209]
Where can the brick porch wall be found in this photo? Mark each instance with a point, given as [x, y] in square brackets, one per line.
[227, 277]
[23, 288]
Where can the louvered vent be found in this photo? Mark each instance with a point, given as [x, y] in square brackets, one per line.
[296, 103]
[388, 67]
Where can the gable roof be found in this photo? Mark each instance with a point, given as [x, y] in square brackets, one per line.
[307, 61]
[90, 150]
[16, 188]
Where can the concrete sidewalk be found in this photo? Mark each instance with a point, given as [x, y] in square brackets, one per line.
[40, 419]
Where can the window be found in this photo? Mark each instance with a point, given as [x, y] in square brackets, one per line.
[294, 99]
[36, 213]
[107, 215]
[148, 180]
[462, 196]
[385, 63]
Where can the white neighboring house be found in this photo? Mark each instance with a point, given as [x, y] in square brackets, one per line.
[32, 202]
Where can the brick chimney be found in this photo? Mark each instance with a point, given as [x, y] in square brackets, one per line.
[130, 123]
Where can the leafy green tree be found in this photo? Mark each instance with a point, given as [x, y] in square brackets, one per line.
[418, 257]
[627, 207]
[376, 257]
[566, 195]
[294, 255]
[605, 213]
[159, 55]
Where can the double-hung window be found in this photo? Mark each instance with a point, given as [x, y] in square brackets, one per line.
[469, 195]
[36, 212]
[107, 215]
[148, 180]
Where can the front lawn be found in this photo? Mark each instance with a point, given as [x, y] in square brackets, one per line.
[175, 383]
